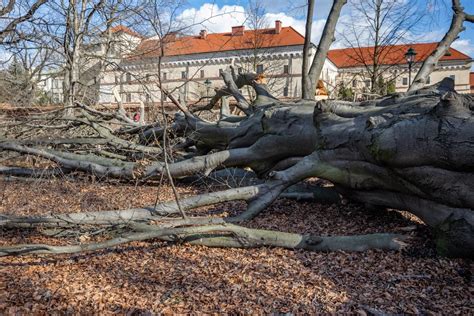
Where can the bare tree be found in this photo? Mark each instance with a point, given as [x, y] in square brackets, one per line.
[311, 77]
[19, 84]
[78, 33]
[372, 33]
[456, 27]
[27, 52]
[11, 19]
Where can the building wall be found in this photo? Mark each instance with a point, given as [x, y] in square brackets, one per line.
[358, 79]
[186, 75]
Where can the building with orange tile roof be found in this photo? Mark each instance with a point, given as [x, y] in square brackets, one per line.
[123, 29]
[352, 64]
[190, 65]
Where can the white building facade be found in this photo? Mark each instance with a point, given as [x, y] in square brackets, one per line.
[189, 67]
[354, 65]
[193, 71]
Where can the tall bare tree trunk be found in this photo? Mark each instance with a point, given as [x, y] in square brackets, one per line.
[305, 81]
[430, 63]
[310, 79]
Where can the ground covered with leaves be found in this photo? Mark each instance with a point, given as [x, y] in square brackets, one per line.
[144, 278]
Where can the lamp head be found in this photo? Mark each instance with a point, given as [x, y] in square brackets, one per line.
[410, 55]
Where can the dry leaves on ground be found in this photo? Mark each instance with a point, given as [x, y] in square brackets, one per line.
[156, 277]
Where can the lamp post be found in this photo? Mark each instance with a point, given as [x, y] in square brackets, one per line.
[207, 83]
[410, 57]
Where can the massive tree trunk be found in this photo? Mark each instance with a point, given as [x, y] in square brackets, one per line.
[412, 151]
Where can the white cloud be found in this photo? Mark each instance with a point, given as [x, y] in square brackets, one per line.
[213, 18]
[464, 46]
[220, 19]
[298, 24]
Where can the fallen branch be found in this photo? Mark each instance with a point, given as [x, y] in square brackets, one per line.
[224, 235]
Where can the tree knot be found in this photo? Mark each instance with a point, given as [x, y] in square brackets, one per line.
[448, 97]
[313, 240]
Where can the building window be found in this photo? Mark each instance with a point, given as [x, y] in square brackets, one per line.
[183, 74]
[128, 78]
[453, 77]
[405, 81]
[285, 91]
[117, 79]
[354, 83]
[128, 97]
[202, 73]
[163, 76]
[367, 83]
[148, 98]
[220, 71]
[286, 69]
[260, 69]
[428, 81]
[147, 77]
[241, 70]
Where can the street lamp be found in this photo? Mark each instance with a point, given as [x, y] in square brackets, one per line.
[410, 57]
[207, 83]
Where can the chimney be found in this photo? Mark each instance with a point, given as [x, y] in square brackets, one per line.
[238, 30]
[277, 27]
[170, 37]
[203, 34]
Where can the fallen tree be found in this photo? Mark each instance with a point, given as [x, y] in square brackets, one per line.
[409, 151]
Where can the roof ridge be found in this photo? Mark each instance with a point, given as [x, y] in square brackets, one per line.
[224, 33]
[126, 29]
[359, 56]
[249, 30]
[215, 42]
[408, 44]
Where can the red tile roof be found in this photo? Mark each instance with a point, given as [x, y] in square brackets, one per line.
[126, 30]
[217, 42]
[390, 55]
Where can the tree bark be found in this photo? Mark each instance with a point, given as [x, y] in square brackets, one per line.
[224, 235]
[305, 80]
[430, 63]
[327, 38]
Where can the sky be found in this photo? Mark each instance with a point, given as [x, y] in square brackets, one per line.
[227, 13]
[221, 15]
